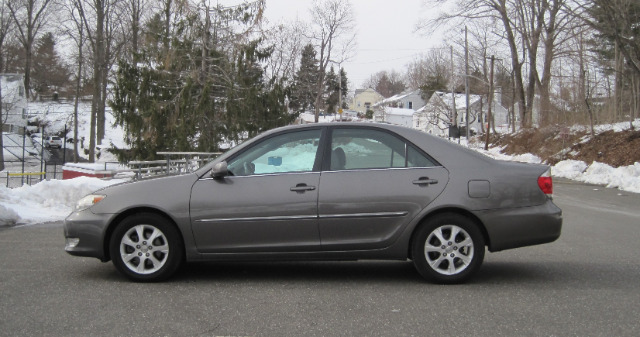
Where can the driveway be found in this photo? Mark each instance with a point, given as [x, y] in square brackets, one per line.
[585, 284]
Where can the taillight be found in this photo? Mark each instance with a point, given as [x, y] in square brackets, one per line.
[546, 182]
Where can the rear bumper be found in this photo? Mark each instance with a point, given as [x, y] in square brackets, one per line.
[519, 227]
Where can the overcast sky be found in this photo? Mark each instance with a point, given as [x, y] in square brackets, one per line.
[385, 33]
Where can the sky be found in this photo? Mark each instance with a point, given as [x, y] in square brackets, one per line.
[385, 33]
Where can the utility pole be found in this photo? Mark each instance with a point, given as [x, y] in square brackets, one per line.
[466, 79]
[489, 118]
[453, 94]
[340, 90]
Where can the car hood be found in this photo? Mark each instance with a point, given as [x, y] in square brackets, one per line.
[168, 194]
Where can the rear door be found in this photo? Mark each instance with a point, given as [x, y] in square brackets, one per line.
[376, 183]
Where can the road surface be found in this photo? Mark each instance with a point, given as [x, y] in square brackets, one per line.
[585, 284]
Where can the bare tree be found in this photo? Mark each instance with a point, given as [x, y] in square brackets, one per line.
[617, 21]
[75, 30]
[527, 27]
[431, 72]
[386, 83]
[333, 25]
[101, 28]
[287, 41]
[5, 30]
[134, 9]
[30, 16]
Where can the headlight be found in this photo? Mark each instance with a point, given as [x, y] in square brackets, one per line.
[88, 201]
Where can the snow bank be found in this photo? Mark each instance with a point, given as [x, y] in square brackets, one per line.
[626, 178]
[570, 169]
[46, 201]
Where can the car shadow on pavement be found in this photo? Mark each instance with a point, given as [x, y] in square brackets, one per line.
[338, 271]
[558, 274]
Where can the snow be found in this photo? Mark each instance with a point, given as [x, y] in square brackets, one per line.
[46, 201]
[58, 114]
[626, 178]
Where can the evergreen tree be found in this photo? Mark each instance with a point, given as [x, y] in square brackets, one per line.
[303, 93]
[345, 88]
[49, 73]
[333, 90]
[179, 97]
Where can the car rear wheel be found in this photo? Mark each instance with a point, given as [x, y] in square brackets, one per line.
[146, 247]
[448, 248]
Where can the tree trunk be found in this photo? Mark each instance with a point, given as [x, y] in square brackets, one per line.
[1, 125]
[517, 66]
[76, 156]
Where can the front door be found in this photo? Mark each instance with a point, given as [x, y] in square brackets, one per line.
[268, 203]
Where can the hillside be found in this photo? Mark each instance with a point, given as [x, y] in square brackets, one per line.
[615, 145]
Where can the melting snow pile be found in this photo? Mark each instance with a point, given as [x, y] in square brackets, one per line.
[46, 201]
[626, 178]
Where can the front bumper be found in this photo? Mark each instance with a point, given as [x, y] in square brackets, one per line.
[519, 227]
[85, 232]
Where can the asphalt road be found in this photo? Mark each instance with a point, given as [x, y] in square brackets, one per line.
[585, 284]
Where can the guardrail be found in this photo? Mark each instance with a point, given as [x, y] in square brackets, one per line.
[185, 163]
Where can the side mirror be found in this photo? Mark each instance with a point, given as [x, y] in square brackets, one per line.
[219, 170]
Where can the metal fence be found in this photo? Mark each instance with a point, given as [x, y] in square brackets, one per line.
[14, 178]
[175, 163]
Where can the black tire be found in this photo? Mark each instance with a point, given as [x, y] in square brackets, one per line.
[448, 248]
[146, 247]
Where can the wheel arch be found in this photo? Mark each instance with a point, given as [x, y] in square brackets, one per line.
[130, 212]
[446, 210]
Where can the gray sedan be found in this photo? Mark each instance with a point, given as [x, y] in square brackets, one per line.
[341, 191]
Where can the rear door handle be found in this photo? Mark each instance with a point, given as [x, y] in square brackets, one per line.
[425, 181]
[302, 188]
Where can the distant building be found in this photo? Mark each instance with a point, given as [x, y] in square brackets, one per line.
[14, 101]
[407, 100]
[399, 109]
[365, 99]
[398, 116]
[438, 114]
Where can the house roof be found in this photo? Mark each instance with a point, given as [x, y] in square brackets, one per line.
[461, 101]
[359, 91]
[397, 97]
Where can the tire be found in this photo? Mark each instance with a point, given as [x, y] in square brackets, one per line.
[448, 248]
[146, 247]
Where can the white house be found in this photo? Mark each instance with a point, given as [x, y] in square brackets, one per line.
[14, 101]
[407, 100]
[399, 116]
[438, 114]
[399, 109]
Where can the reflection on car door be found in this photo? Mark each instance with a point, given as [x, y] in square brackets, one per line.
[363, 209]
[263, 213]
[372, 192]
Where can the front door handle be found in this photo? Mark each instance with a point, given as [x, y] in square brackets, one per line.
[302, 188]
[425, 181]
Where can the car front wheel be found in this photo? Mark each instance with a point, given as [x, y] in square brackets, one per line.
[146, 247]
[448, 248]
